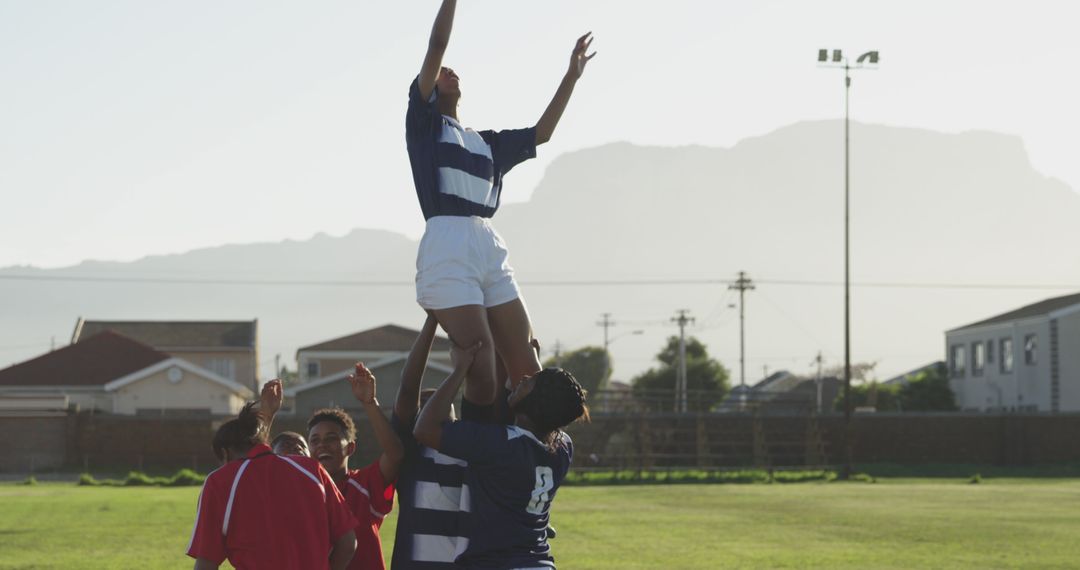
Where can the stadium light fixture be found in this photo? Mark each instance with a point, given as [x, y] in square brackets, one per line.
[868, 60]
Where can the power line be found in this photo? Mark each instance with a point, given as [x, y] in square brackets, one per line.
[539, 283]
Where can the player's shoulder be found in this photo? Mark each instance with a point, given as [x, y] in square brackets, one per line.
[309, 463]
[299, 465]
[222, 475]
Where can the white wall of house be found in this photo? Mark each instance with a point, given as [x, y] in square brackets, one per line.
[86, 398]
[190, 392]
[236, 365]
[1068, 324]
[315, 364]
[1025, 386]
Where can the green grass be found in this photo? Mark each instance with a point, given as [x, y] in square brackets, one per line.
[894, 524]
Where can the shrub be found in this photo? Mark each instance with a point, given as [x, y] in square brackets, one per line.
[185, 478]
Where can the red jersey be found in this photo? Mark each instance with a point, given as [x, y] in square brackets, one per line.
[370, 499]
[269, 512]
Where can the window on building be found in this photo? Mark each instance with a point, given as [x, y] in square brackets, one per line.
[978, 358]
[1006, 355]
[312, 370]
[990, 351]
[225, 367]
[1030, 347]
[956, 361]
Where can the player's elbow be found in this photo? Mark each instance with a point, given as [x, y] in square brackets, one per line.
[426, 436]
[343, 551]
[438, 43]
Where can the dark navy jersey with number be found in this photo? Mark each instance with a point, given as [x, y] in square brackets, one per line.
[511, 480]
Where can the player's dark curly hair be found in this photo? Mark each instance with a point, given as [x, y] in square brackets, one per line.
[287, 436]
[556, 401]
[339, 417]
[241, 433]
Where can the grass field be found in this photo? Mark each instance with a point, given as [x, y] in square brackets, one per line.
[892, 524]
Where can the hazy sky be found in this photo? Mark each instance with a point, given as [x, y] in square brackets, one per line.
[130, 128]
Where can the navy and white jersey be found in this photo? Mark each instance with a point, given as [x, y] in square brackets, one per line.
[459, 171]
[430, 533]
[432, 504]
[511, 479]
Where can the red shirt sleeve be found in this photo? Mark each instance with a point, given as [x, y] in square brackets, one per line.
[207, 538]
[382, 493]
[338, 514]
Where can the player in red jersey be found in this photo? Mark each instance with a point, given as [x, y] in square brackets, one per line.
[368, 491]
[265, 511]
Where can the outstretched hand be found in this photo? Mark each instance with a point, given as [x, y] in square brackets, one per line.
[270, 399]
[578, 59]
[362, 383]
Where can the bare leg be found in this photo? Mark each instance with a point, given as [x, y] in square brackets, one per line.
[466, 326]
[512, 330]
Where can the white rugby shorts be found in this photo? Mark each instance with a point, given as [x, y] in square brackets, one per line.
[463, 261]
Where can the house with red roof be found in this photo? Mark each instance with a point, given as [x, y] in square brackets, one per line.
[111, 373]
[226, 348]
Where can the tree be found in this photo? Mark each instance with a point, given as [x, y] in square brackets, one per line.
[861, 372]
[881, 397]
[287, 377]
[707, 379]
[588, 365]
[928, 391]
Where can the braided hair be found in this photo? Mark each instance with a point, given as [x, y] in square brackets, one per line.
[240, 434]
[556, 401]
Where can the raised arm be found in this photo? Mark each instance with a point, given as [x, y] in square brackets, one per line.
[550, 119]
[269, 403]
[408, 397]
[393, 452]
[440, 38]
[428, 430]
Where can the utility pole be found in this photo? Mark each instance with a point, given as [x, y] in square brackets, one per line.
[277, 366]
[607, 323]
[742, 285]
[818, 360]
[680, 380]
[558, 354]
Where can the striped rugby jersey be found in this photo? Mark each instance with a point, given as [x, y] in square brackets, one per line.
[432, 507]
[458, 171]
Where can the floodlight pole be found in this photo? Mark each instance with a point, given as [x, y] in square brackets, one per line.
[848, 452]
[847, 439]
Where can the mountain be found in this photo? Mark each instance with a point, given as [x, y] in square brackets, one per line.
[929, 209]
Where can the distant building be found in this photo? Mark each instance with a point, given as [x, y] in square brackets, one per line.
[905, 378]
[1027, 359]
[323, 367]
[226, 348]
[784, 392]
[110, 373]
